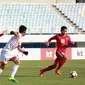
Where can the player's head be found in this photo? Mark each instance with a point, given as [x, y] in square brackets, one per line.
[63, 30]
[22, 30]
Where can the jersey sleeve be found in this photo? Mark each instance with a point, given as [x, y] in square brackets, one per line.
[53, 38]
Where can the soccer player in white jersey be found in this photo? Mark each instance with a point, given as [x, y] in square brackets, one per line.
[8, 55]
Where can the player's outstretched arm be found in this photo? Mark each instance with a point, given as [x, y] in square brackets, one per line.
[4, 32]
[47, 43]
[1, 34]
[21, 50]
[52, 38]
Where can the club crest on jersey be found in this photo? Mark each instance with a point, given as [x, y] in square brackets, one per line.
[62, 41]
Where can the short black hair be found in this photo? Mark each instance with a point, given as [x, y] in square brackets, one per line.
[22, 28]
[63, 27]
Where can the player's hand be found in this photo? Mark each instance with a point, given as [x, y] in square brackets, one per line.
[47, 43]
[25, 52]
[11, 32]
[5, 32]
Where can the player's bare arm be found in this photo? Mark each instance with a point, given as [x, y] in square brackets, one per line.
[71, 42]
[21, 50]
[4, 32]
[52, 38]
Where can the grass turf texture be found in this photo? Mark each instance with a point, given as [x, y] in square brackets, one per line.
[28, 74]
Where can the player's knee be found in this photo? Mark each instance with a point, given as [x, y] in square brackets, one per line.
[2, 66]
[18, 62]
[64, 58]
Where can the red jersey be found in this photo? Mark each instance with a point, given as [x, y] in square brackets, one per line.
[62, 42]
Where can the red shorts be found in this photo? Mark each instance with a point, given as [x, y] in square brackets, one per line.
[58, 56]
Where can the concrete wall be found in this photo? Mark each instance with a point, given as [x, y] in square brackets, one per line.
[33, 1]
[41, 1]
[43, 38]
[65, 1]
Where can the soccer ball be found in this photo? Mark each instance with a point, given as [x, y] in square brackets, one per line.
[73, 74]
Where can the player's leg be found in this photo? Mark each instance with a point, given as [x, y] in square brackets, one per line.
[47, 69]
[16, 65]
[15, 68]
[2, 66]
[53, 66]
[61, 59]
[61, 63]
[3, 61]
[56, 63]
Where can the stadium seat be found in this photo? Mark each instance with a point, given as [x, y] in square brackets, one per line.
[75, 12]
[38, 17]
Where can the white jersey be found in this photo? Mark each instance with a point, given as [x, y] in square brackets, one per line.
[13, 43]
[8, 51]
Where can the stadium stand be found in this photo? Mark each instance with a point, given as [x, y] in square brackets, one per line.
[73, 12]
[38, 17]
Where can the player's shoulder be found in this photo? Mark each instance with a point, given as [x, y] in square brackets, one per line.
[19, 35]
[67, 36]
[58, 34]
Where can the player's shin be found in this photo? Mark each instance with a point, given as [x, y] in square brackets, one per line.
[61, 63]
[14, 70]
[49, 67]
[2, 67]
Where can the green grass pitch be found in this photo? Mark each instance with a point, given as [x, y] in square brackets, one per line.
[28, 73]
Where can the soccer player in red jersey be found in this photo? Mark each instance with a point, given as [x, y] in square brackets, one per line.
[62, 41]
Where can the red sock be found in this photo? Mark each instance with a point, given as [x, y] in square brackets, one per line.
[61, 63]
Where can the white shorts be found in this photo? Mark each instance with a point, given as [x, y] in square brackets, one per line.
[6, 56]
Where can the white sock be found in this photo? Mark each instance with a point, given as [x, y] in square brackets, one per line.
[14, 70]
[1, 70]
